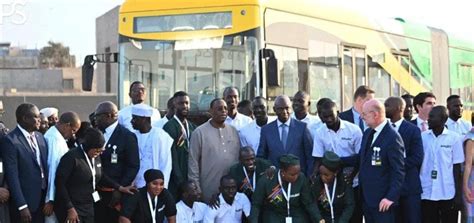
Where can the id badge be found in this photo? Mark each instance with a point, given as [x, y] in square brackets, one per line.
[96, 196]
[114, 158]
[1, 167]
[288, 220]
[434, 174]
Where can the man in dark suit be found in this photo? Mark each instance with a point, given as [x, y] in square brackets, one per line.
[409, 210]
[294, 137]
[381, 165]
[353, 115]
[361, 95]
[120, 160]
[24, 155]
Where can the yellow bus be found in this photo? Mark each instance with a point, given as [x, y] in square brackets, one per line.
[273, 47]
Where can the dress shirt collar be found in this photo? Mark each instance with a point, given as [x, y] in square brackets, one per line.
[305, 119]
[450, 121]
[25, 133]
[419, 121]
[380, 126]
[280, 123]
[342, 125]
[355, 113]
[111, 128]
[398, 123]
[445, 132]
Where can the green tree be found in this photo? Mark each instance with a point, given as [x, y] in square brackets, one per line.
[55, 54]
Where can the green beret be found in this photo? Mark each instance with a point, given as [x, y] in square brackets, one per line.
[289, 160]
[331, 161]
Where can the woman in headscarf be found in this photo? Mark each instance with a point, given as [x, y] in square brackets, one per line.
[79, 174]
[286, 196]
[151, 204]
[333, 195]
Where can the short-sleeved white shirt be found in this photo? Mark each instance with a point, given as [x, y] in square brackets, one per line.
[239, 121]
[460, 126]
[186, 214]
[345, 142]
[229, 213]
[441, 153]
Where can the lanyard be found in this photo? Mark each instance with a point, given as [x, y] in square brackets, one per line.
[253, 183]
[185, 130]
[286, 195]
[331, 198]
[91, 166]
[152, 210]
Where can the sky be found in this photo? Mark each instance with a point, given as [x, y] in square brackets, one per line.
[32, 23]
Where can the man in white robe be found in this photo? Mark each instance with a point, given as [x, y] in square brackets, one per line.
[137, 94]
[154, 144]
[56, 137]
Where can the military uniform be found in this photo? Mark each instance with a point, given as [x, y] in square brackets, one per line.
[269, 201]
[243, 184]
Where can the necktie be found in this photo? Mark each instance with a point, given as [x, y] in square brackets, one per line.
[284, 135]
[423, 126]
[369, 141]
[35, 149]
[361, 124]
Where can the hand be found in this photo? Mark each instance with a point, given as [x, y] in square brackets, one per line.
[214, 202]
[123, 219]
[48, 208]
[72, 216]
[385, 205]
[468, 195]
[25, 215]
[4, 195]
[270, 172]
[128, 189]
[322, 221]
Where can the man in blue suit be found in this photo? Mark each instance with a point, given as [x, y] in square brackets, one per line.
[24, 154]
[409, 210]
[353, 115]
[286, 136]
[381, 165]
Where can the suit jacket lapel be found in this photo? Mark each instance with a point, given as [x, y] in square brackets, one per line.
[23, 140]
[276, 133]
[290, 139]
[402, 129]
[381, 136]
[363, 150]
[43, 150]
[146, 205]
[115, 134]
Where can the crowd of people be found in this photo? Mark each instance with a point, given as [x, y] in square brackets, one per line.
[377, 161]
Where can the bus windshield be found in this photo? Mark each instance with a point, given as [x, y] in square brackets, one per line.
[201, 67]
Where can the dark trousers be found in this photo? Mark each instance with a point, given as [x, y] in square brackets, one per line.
[438, 211]
[357, 214]
[409, 209]
[372, 215]
[104, 213]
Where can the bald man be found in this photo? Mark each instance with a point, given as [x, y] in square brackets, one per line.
[409, 208]
[286, 136]
[381, 165]
[120, 160]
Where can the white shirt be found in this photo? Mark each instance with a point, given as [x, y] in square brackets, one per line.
[460, 126]
[345, 142]
[239, 121]
[378, 129]
[109, 131]
[160, 123]
[229, 213]
[186, 214]
[397, 124]
[419, 123]
[57, 147]
[279, 124]
[155, 153]
[312, 122]
[125, 117]
[441, 153]
[250, 134]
